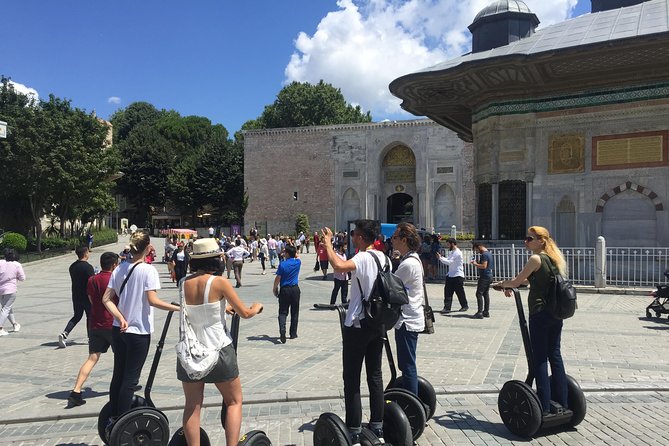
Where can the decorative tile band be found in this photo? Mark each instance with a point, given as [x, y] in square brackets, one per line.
[602, 97]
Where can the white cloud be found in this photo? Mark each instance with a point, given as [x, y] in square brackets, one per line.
[20, 88]
[366, 44]
[113, 100]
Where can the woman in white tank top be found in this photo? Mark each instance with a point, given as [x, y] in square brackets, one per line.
[206, 298]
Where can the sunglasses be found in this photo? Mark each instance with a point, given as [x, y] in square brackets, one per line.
[530, 238]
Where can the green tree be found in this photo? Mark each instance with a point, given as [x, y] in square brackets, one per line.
[303, 104]
[301, 224]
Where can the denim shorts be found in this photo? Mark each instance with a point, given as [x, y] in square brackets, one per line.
[224, 370]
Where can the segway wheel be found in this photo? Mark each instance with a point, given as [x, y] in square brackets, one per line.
[413, 408]
[519, 408]
[426, 394]
[396, 427]
[367, 438]
[330, 430]
[141, 426]
[179, 439]
[104, 415]
[577, 402]
[254, 438]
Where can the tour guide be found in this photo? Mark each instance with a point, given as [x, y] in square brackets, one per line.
[289, 297]
[362, 341]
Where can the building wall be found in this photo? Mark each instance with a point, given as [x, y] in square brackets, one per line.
[339, 175]
[555, 152]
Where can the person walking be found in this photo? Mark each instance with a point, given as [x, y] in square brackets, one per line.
[80, 271]
[323, 264]
[273, 253]
[205, 297]
[340, 279]
[456, 277]
[11, 271]
[412, 320]
[135, 286]
[362, 341]
[100, 330]
[237, 254]
[287, 289]
[180, 259]
[545, 329]
[263, 254]
[484, 267]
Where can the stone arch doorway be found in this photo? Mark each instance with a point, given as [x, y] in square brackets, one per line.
[565, 224]
[444, 209]
[398, 176]
[400, 208]
[629, 220]
[350, 205]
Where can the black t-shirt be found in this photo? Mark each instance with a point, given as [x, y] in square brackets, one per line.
[80, 271]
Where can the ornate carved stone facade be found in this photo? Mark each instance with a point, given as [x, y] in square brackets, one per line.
[408, 170]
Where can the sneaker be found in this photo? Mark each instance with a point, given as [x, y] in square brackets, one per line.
[445, 310]
[293, 336]
[379, 434]
[355, 439]
[486, 314]
[3, 332]
[61, 340]
[464, 309]
[478, 316]
[263, 273]
[17, 327]
[75, 399]
[282, 338]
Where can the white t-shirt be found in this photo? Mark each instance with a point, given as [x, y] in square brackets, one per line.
[366, 272]
[411, 273]
[133, 303]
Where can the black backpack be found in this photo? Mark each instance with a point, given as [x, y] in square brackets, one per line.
[383, 306]
[561, 299]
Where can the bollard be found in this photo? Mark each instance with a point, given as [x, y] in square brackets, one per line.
[600, 263]
[454, 233]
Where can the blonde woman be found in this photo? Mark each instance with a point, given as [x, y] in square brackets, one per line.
[545, 330]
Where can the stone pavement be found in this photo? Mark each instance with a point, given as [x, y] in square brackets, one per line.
[618, 356]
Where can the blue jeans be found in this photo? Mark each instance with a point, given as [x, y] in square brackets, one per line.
[272, 257]
[406, 342]
[545, 333]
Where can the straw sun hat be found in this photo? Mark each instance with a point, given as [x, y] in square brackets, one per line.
[204, 248]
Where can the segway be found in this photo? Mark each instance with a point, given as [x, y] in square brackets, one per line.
[519, 405]
[143, 423]
[330, 430]
[418, 409]
[252, 438]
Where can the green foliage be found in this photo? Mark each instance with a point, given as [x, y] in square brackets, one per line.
[303, 104]
[101, 237]
[301, 223]
[55, 243]
[54, 161]
[14, 240]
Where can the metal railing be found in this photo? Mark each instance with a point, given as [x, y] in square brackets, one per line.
[626, 267]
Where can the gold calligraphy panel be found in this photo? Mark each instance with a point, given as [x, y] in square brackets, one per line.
[400, 176]
[566, 154]
[400, 156]
[648, 149]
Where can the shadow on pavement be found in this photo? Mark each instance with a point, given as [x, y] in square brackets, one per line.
[58, 347]
[308, 427]
[272, 339]
[464, 421]
[86, 392]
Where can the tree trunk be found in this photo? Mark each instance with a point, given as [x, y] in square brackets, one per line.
[35, 212]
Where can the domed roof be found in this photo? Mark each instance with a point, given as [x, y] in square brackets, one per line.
[502, 6]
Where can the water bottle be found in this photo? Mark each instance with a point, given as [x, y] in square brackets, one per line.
[96, 270]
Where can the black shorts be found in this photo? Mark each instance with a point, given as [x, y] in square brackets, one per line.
[324, 264]
[224, 370]
[99, 341]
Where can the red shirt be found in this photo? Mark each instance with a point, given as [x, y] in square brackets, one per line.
[322, 252]
[100, 318]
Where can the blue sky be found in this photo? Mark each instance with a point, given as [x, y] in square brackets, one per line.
[227, 59]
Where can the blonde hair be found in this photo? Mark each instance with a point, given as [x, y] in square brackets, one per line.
[551, 249]
[139, 240]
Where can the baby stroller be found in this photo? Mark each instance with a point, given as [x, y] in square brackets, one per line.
[660, 304]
